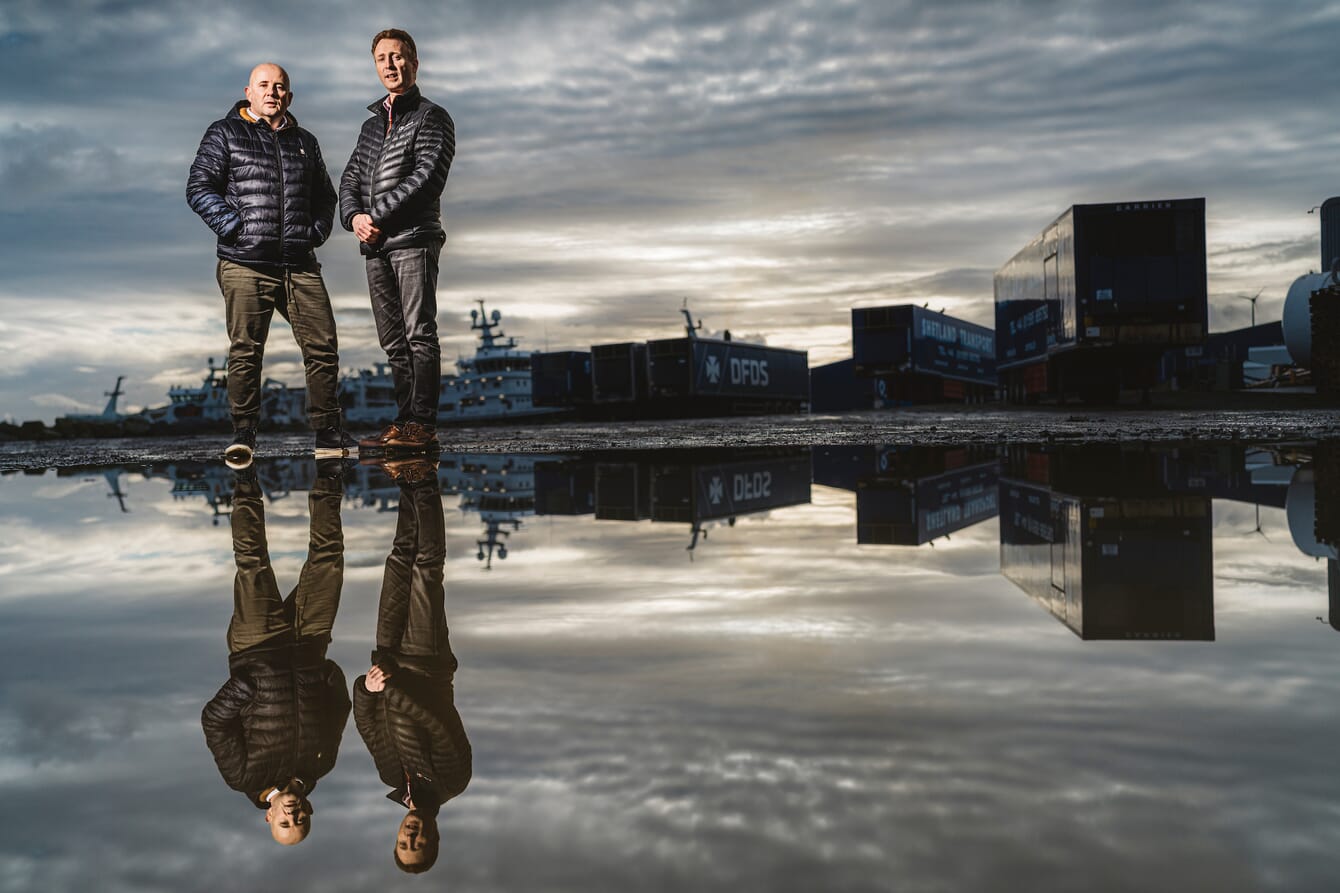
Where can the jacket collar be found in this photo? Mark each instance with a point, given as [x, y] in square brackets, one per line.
[402, 103]
[241, 110]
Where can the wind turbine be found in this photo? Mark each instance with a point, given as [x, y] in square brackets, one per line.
[1253, 300]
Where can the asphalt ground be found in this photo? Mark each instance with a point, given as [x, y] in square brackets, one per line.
[959, 425]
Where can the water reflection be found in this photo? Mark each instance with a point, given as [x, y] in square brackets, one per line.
[799, 707]
[1098, 539]
[404, 706]
[274, 728]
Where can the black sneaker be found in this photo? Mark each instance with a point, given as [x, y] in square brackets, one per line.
[334, 443]
[334, 469]
[242, 450]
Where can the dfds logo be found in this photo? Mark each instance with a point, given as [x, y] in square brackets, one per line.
[757, 485]
[749, 372]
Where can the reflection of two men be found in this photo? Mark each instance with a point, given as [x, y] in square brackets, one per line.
[404, 707]
[274, 727]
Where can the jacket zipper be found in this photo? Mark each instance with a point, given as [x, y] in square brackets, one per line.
[381, 153]
[279, 156]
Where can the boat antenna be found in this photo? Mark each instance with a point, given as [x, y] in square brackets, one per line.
[688, 320]
[110, 409]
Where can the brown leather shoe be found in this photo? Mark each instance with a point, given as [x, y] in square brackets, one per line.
[410, 471]
[379, 439]
[413, 436]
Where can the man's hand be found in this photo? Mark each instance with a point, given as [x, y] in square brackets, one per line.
[365, 229]
[376, 678]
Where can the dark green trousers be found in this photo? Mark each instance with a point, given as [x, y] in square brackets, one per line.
[259, 613]
[251, 295]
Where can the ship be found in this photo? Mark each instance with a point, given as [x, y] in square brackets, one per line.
[189, 408]
[206, 404]
[494, 385]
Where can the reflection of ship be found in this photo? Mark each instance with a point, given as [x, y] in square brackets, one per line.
[493, 385]
[907, 496]
[1097, 538]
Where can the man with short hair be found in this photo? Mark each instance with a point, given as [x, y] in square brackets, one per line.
[260, 183]
[274, 728]
[405, 705]
[390, 197]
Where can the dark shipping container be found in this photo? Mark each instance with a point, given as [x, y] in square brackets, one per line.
[690, 368]
[619, 372]
[912, 512]
[711, 491]
[1112, 284]
[561, 378]
[1111, 567]
[836, 387]
[910, 339]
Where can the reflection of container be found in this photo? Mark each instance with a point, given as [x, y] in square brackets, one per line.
[1111, 567]
[1096, 298]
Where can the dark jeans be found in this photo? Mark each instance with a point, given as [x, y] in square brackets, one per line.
[259, 614]
[403, 286]
[251, 295]
[411, 615]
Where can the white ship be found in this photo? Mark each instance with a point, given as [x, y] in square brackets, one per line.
[494, 385]
[198, 406]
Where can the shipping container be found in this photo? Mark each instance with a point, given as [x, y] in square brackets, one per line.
[561, 378]
[619, 372]
[1088, 307]
[713, 370]
[1111, 567]
[836, 387]
[622, 491]
[730, 487]
[913, 511]
[565, 487]
[910, 340]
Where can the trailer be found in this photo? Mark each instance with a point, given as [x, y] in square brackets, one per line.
[1088, 307]
[561, 378]
[1105, 545]
[619, 372]
[717, 375]
[918, 355]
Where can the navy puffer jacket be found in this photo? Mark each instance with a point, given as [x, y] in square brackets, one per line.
[397, 178]
[280, 714]
[265, 193]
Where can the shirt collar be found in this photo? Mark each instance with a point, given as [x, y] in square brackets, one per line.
[245, 111]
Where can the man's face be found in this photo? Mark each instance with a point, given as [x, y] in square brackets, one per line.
[290, 818]
[415, 839]
[395, 66]
[268, 91]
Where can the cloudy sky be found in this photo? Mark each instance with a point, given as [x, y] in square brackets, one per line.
[775, 163]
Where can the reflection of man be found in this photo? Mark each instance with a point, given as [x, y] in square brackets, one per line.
[274, 728]
[390, 196]
[259, 182]
[405, 706]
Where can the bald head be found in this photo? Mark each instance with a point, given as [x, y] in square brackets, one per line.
[268, 93]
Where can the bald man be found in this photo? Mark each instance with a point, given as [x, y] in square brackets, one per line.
[260, 184]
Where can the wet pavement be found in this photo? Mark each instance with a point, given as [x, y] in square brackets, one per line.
[992, 662]
[937, 426]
